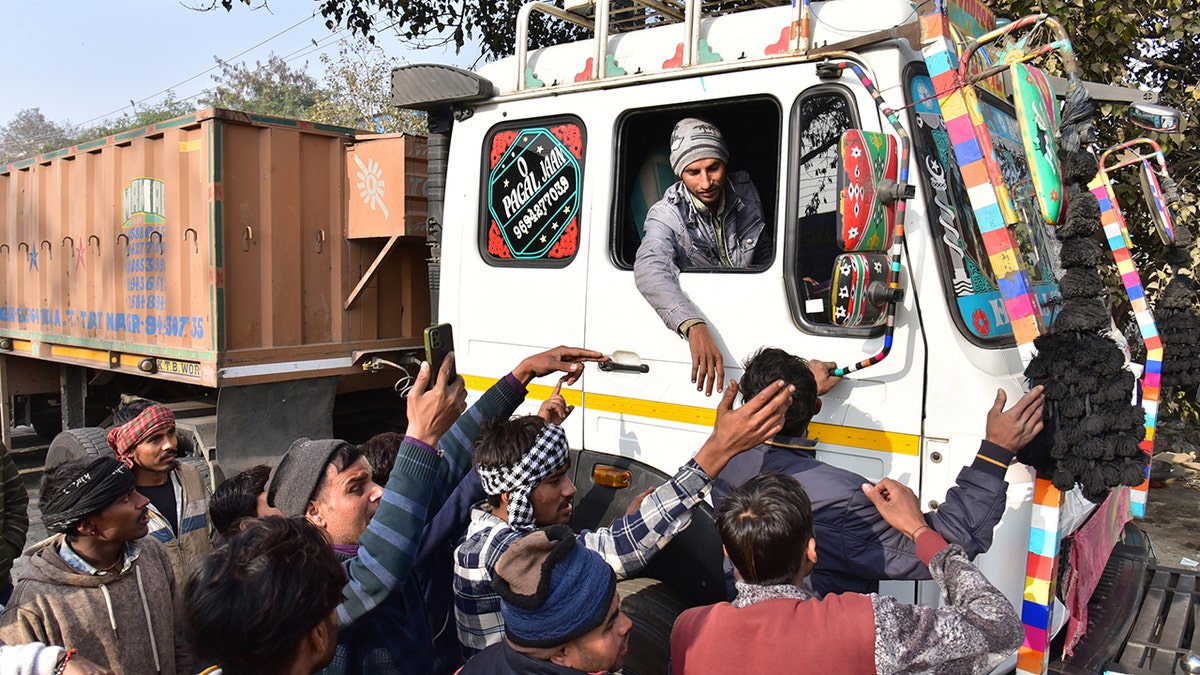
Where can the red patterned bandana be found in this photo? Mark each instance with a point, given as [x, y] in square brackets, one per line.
[125, 438]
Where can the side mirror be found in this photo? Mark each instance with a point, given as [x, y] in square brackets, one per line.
[1160, 210]
[860, 291]
[867, 190]
[1037, 118]
[1155, 117]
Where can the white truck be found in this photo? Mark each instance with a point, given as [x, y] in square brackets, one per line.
[551, 157]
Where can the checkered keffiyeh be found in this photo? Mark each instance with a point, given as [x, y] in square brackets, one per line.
[125, 438]
[549, 454]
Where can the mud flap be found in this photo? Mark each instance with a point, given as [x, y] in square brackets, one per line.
[1112, 610]
[257, 423]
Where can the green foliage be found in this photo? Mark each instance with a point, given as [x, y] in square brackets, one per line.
[1152, 45]
[429, 23]
[168, 108]
[273, 88]
[357, 91]
[1178, 405]
[29, 133]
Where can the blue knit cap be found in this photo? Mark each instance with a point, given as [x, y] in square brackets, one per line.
[552, 590]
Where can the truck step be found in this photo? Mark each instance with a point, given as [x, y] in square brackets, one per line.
[1166, 627]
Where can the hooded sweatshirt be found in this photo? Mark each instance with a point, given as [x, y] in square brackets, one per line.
[130, 622]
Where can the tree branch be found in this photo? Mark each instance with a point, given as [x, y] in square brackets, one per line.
[1150, 61]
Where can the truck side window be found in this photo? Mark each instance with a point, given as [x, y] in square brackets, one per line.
[819, 119]
[751, 127]
[532, 187]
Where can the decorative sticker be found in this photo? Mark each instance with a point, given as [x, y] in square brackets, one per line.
[534, 187]
[975, 288]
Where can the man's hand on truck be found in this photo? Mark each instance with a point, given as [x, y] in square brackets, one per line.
[823, 371]
[1012, 429]
[433, 410]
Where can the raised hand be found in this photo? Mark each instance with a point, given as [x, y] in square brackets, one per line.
[1014, 428]
[739, 430]
[569, 360]
[555, 409]
[433, 410]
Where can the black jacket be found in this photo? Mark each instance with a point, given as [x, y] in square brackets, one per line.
[501, 659]
[856, 548]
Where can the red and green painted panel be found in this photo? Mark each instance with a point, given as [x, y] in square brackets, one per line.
[864, 219]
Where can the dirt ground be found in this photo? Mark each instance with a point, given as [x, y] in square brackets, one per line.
[1173, 523]
[1173, 507]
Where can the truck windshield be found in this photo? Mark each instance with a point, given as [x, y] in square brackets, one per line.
[968, 280]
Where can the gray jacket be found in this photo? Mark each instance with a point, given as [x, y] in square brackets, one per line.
[681, 236]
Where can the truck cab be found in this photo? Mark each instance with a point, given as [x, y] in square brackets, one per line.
[554, 155]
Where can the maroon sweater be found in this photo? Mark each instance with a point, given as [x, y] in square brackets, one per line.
[831, 635]
[852, 633]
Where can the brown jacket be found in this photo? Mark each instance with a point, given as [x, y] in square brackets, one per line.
[126, 622]
[191, 543]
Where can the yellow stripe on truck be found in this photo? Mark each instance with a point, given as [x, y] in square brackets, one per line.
[832, 434]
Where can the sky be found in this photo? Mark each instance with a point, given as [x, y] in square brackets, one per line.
[84, 60]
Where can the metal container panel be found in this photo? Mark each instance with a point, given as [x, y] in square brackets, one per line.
[386, 174]
[205, 249]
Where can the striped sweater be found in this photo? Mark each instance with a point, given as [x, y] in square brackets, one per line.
[381, 622]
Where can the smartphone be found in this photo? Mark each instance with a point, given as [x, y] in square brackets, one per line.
[439, 341]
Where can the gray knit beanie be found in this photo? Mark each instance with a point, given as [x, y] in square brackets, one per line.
[295, 480]
[694, 139]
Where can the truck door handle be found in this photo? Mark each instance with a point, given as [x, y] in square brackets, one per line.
[611, 366]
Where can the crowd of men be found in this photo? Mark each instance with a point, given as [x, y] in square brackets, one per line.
[448, 548]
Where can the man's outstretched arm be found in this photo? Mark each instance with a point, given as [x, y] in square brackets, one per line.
[978, 628]
[634, 538]
[657, 277]
[969, 514]
[966, 517]
[389, 545]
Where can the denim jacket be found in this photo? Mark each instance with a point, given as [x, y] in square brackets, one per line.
[681, 236]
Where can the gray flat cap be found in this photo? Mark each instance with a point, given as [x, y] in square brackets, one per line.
[295, 480]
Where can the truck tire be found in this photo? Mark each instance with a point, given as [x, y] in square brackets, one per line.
[653, 608]
[77, 444]
[46, 419]
[206, 472]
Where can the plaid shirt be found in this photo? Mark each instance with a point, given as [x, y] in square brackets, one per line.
[73, 559]
[627, 547]
[187, 547]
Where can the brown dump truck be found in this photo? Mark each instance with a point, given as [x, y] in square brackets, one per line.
[229, 260]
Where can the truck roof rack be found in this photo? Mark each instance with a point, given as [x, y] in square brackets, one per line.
[629, 15]
[606, 17]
